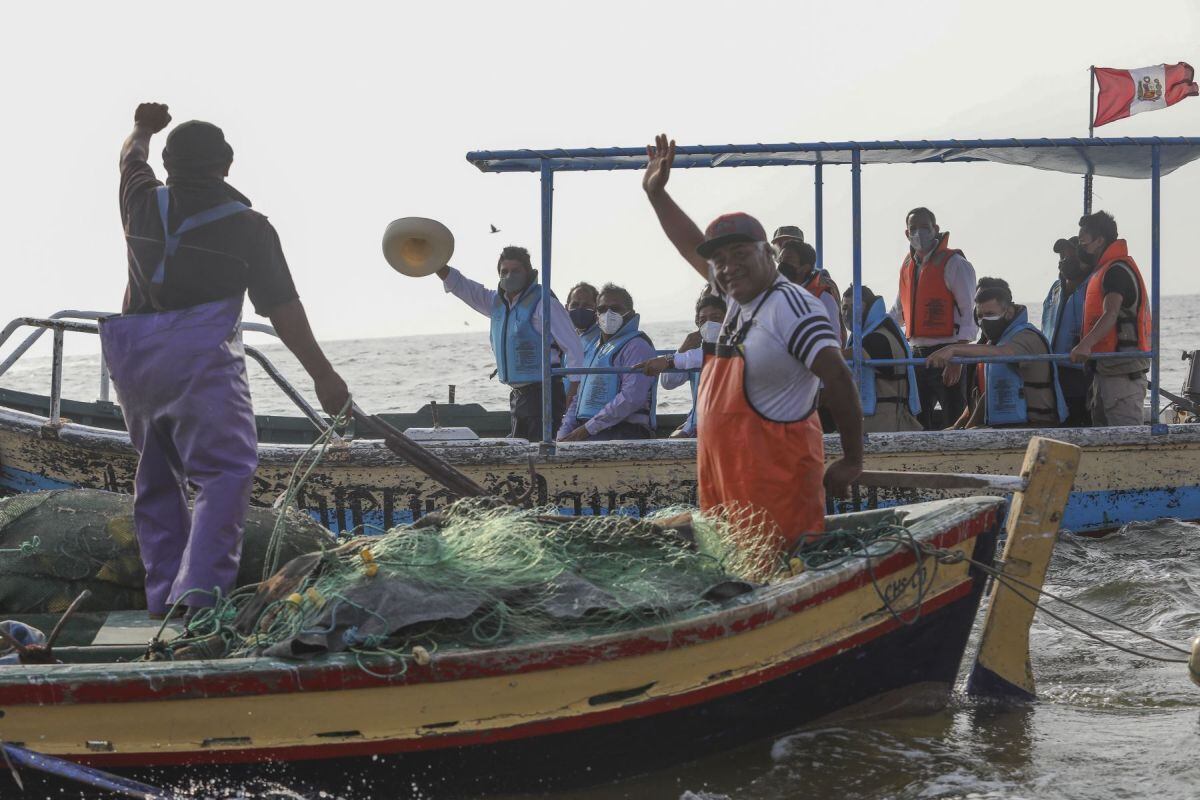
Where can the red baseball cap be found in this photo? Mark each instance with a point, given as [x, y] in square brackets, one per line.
[727, 228]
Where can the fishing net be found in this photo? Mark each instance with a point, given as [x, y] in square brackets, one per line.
[55, 544]
[482, 574]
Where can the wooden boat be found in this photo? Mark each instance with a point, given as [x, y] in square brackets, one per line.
[850, 637]
[360, 482]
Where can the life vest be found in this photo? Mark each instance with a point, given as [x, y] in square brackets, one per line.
[813, 285]
[1132, 331]
[590, 336]
[516, 345]
[1062, 319]
[171, 239]
[1003, 388]
[597, 391]
[877, 316]
[927, 303]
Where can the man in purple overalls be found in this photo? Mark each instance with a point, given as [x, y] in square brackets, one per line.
[175, 353]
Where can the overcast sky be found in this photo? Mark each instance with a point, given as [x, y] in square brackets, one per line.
[344, 116]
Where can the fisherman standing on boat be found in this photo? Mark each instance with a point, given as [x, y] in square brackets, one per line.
[515, 308]
[1023, 394]
[1062, 325]
[759, 445]
[175, 354]
[1116, 318]
[710, 313]
[613, 406]
[889, 393]
[934, 305]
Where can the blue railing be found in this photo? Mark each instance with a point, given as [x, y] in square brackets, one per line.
[547, 162]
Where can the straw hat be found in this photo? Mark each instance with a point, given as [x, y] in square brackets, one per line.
[416, 246]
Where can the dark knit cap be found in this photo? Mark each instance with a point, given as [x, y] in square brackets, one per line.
[196, 149]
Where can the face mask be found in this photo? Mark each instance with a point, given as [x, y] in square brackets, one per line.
[513, 282]
[922, 240]
[710, 331]
[1086, 258]
[993, 327]
[1070, 269]
[582, 318]
[611, 322]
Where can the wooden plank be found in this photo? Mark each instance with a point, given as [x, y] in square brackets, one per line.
[940, 480]
[1002, 666]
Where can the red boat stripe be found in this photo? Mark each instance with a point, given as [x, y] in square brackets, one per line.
[547, 727]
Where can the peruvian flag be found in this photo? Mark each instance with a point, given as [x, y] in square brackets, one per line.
[1125, 92]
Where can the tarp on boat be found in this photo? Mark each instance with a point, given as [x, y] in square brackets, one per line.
[1128, 157]
[55, 544]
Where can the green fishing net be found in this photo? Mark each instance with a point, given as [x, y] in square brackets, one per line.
[482, 574]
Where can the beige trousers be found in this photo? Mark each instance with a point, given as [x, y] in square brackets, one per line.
[1117, 400]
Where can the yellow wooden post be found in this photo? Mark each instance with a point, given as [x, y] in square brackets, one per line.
[1002, 666]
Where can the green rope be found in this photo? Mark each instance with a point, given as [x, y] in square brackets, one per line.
[25, 549]
[320, 445]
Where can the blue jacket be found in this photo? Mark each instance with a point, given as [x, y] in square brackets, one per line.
[877, 315]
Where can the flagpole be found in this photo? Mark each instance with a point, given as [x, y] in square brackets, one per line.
[1087, 179]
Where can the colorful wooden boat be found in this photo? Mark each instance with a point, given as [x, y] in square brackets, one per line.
[563, 709]
[360, 482]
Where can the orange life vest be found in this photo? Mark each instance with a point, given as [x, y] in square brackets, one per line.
[814, 285]
[927, 303]
[1093, 304]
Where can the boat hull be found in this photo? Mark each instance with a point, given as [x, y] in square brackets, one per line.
[580, 711]
[1126, 474]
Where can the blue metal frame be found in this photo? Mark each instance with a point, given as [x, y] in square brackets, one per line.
[817, 155]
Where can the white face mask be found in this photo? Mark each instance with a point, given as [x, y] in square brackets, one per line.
[610, 322]
[709, 331]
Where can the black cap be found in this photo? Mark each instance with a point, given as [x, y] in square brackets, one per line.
[1063, 246]
[196, 149]
[788, 232]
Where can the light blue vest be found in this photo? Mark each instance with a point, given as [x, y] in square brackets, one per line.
[516, 345]
[1062, 322]
[588, 339]
[876, 316]
[163, 195]
[1005, 394]
[597, 391]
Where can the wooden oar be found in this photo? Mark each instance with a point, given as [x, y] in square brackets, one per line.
[940, 480]
[436, 468]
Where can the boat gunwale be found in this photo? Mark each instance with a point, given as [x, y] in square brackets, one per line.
[103, 683]
[506, 452]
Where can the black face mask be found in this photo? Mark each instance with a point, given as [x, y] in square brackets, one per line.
[993, 329]
[583, 318]
[1070, 269]
[1087, 259]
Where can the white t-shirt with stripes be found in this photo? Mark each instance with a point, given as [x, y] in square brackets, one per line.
[790, 326]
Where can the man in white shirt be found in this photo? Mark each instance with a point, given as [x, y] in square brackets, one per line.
[760, 452]
[935, 304]
[515, 309]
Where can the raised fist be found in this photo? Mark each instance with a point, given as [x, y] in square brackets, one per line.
[153, 116]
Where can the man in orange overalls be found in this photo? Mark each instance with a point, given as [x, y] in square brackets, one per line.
[760, 451]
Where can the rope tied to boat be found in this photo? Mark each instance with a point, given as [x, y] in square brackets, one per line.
[25, 549]
[1011, 583]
